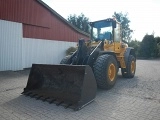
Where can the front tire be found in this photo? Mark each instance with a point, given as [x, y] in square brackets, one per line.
[130, 69]
[105, 71]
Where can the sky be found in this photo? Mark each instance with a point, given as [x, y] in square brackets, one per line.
[143, 14]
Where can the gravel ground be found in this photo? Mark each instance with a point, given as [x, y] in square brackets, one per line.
[130, 99]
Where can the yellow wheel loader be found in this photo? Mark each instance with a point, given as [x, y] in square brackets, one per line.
[73, 83]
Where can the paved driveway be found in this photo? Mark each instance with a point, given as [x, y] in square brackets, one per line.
[130, 99]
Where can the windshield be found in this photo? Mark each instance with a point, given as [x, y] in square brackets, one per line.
[102, 33]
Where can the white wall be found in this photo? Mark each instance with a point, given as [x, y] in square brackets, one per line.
[10, 46]
[43, 51]
[17, 52]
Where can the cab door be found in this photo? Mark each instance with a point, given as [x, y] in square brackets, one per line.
[117, 38]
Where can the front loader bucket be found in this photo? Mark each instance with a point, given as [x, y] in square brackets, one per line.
[70, 85]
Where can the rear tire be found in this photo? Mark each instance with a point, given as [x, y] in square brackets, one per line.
[65, 60]
[130, 69]
[105, 71]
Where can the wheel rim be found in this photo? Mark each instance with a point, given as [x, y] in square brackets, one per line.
[132, 66]
[111, 72]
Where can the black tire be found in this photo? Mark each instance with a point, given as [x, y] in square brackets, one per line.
[101, 71]
[65, 60]
[130, 69]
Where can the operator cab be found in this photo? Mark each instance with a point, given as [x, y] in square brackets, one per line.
[103, 29]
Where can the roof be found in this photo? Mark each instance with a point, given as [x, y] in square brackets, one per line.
[108, 19]
[102, 23]
[63, 19]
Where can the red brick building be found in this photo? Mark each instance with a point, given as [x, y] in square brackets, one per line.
[32, 32]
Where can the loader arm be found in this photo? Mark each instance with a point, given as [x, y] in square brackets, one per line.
[81, 54]
[86, 55]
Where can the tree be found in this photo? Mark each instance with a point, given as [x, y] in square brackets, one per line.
[136, 45]
[158, 50]
[124, 20]
[157, 39]
[148, 46]
[81, 22]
